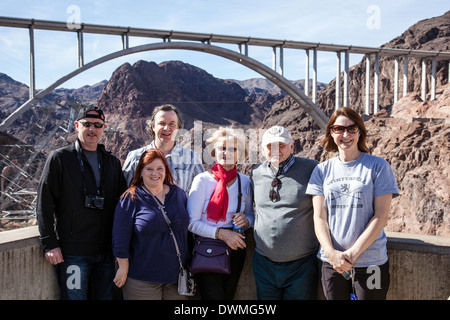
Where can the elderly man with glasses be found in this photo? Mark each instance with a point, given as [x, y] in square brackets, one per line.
[284, 262]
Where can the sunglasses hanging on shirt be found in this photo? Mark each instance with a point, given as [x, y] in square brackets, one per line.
[273, 194]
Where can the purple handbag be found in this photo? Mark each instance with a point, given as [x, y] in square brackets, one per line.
[213, 255]
[210, 255]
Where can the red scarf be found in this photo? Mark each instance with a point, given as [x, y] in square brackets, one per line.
[218, 204]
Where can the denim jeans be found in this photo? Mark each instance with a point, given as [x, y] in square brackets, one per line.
[86, 277]
[292, 280]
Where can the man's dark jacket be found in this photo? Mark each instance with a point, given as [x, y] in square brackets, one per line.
[61, 202]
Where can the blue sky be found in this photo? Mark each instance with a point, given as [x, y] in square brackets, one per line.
[350, 22]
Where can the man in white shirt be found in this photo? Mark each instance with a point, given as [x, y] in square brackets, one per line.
[163, 127]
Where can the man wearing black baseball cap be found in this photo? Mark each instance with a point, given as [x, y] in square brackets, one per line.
[90, 125]
[77, 196]
[85, 112]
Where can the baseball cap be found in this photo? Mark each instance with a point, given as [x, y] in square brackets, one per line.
[276, 134]
[84, 113]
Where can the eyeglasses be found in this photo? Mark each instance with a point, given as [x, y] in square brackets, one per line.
[229, 149]
[88, 124]
[273, 194]
[353, 128]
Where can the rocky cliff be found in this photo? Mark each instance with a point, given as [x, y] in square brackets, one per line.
[134, 90]
[413, 135]
[415, 140]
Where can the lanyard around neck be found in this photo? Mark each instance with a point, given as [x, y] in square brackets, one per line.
[79, 149]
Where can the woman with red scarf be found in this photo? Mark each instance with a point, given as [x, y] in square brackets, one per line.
[212, 206]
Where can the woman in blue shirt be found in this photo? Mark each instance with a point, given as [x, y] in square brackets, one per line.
[142, 244]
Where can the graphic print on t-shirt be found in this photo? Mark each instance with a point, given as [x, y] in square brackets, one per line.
[344, 192]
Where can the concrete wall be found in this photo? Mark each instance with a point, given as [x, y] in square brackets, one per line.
[420, 268]
[24, 273]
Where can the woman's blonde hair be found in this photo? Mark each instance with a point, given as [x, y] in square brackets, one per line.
[229, 134]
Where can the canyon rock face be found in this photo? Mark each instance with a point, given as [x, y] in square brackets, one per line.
[418, 149]
[412, 135]
[133, 91]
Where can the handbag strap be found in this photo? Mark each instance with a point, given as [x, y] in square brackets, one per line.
[166, 218]
[239, 194]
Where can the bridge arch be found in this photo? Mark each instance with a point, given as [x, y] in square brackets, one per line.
[310, 107]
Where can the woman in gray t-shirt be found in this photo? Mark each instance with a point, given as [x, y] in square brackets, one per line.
[352, 194]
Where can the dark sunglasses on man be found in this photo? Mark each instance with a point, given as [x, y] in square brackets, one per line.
[88, 124]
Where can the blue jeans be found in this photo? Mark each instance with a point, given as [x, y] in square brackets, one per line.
[86, 277]
[292, 280]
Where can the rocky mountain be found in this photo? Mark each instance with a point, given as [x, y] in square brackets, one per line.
[264, 93]
[262, 85]
[134, 90]
[13, 94]
[413, 135]
[86, 94]
[415, 140]
[198, 94]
